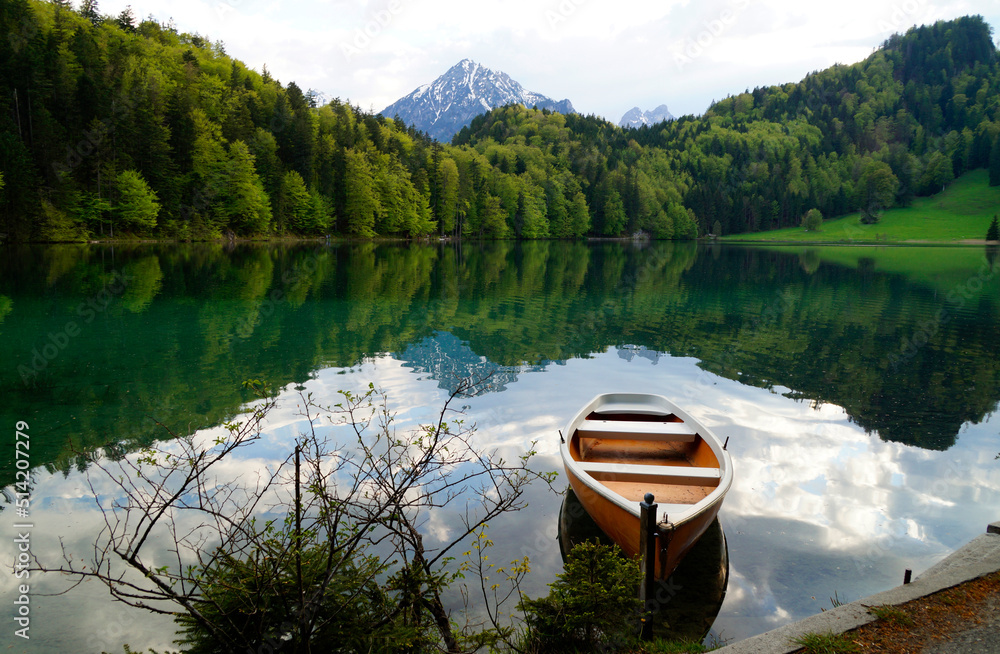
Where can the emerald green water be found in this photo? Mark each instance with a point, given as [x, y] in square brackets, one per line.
[850, 380]
[107, 337]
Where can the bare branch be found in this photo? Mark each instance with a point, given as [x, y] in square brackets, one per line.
[301, 573]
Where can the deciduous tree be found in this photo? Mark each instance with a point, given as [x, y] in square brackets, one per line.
[137, 206]
[579, 215]
[447, 196]
[812, 220]
[938, 172]
[876, 190]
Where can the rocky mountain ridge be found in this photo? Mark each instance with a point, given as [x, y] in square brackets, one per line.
[466, 90]
[636, 118]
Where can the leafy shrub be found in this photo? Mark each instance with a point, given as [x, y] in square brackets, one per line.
[812, 220]
[258, 595]
[593, 604]
[59, 227]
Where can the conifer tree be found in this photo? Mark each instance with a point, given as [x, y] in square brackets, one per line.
[244, 204]
[89, 11]
[579, 215]
[298, 205]
[993, 233]
[614, 215]
[361, 204]
[126, 19]
[447, 195]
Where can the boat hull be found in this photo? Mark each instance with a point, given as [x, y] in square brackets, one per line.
[622, 527]
[687, 603]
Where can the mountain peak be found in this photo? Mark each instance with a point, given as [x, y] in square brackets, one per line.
[466, 90]
[636, 118]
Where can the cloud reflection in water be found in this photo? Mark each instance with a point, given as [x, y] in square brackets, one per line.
[818, 507]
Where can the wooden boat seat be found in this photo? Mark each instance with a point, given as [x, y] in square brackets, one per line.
[637, 431]
[652, 474]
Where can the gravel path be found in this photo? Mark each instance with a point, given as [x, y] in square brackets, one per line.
[980, 639]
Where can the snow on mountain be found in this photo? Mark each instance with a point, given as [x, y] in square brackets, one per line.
[636, 118]
[468, 89]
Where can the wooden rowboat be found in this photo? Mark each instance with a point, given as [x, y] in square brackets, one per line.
[621, 446]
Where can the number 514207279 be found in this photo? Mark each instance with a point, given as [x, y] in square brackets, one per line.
[22, 445]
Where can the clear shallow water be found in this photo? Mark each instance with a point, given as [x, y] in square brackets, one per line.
[856, 456]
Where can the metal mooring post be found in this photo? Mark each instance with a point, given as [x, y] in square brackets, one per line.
[647, 565]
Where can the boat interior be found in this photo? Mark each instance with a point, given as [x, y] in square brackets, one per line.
[637, 453]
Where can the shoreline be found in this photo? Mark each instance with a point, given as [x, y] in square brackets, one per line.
[450, 239]
[870, 244]
[976, 559]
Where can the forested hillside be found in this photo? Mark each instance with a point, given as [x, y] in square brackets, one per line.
[922, 110]
[906, 121]
[110, 126]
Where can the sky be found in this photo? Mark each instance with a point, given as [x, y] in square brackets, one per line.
[605, 56]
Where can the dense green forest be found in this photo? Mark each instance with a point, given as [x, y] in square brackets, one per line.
[110, 126]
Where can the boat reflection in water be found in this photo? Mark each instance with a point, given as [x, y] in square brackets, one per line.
[688, 602]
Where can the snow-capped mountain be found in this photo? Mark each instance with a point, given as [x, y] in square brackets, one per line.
[636, 118]
[450, 102]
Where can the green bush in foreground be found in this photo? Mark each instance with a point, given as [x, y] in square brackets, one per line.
[592, 606]
[257, 595]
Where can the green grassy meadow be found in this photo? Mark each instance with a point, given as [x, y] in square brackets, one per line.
[962, 212]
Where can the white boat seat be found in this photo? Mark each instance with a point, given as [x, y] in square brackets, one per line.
[687, 475]
[643, 408]
[636, 431]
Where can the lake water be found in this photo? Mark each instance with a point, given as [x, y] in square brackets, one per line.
[856, 386]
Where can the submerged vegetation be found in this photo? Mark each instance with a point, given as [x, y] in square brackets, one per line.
[111, 126]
